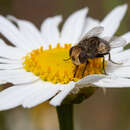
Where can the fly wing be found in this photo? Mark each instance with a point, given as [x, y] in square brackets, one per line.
[93, 32]
[108, 39]
[115, 41]
[118, 42]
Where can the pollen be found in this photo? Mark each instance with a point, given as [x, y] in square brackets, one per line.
[52, 65]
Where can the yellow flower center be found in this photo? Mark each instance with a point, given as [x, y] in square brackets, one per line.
[50, 65]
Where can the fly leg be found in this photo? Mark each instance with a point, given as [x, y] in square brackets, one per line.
[75, 70]
[84, 68]
[113, 61]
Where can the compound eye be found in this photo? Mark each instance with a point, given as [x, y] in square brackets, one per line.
[73, 58]
[82, 57]
[70, 52]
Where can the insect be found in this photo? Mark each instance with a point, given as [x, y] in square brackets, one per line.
[92, 46]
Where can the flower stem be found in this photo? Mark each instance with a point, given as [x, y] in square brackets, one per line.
[65, 116]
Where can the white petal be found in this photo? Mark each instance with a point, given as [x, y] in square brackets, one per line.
[11, 32]
[90, 23]
[113, 82]
[11, 52]
[2, 43]
[126, 63]
[10, 66]
[14, 96]
[90, 79]
[73, 27]
[18, 76]
[116, 50]
[11, 97]
[29, 31]
[122, 56]
[43, 93]
[122, 72]
[8, 61]
[112, 21]
[50, 31]
[57, 100]
[126, 36]
[110, 68]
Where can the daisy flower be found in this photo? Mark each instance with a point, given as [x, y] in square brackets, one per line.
[36, 67]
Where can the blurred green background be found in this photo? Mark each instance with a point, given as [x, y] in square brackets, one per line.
[99, 112]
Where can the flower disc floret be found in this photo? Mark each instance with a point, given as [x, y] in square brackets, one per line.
[51, 65]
